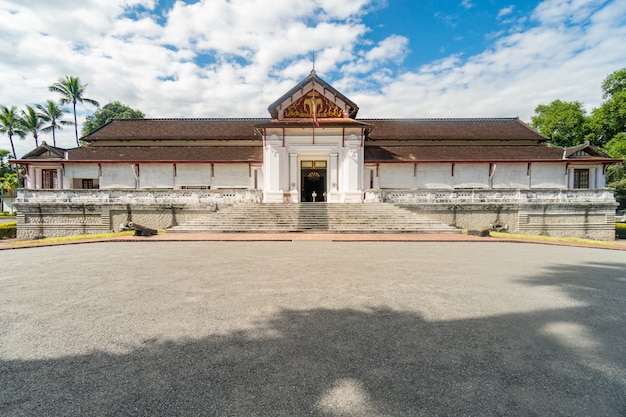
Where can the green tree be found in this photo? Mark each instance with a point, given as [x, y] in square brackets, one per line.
[5, 168]
[31, 122]
[10, 124]
[609, 119]
[110, 111]
[52, 113]
[72, 91]
[616, 147]
[614, 83]
[616, 174]
[565, 123]
[9, 182]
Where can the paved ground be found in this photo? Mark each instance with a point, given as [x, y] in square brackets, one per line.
[289, 237]
[312, 328]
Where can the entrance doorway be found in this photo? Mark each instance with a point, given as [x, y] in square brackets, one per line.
[313, 180]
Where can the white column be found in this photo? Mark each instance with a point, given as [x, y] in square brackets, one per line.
[293, 178]
[600, 178]
[272, 190]
[60, 179]
[569, 178]
[592, 178]
[333, 172]
[30, 181]
[293, 172]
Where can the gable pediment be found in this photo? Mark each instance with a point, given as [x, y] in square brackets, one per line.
[584, 150]
[45, 151]
[313, 93]
[313, 100]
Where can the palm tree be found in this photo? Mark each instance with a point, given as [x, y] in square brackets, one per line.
[52, 113]
[10, 124]
[9, 183]
[31, 122]
[72, 91]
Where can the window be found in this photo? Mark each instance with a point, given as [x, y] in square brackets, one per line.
[88, 184]
[581, 178]
[49, 178]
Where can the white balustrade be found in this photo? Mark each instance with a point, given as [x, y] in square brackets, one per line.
[139, 197]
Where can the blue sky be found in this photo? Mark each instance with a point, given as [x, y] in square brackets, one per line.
[231, 58]
[441, 28]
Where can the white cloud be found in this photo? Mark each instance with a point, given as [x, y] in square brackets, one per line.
[467, 4]
[393, 48]
[564, 11]
[505, 11]
[522, 70]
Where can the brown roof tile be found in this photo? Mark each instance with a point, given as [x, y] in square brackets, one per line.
[382, 129]
[454, 153]
[166, 153]
[452, 129]
[176, 129]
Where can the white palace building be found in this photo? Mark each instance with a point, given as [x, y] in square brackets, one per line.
[468, 173]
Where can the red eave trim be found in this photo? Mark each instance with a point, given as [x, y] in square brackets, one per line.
[99, 161]
[487, 161]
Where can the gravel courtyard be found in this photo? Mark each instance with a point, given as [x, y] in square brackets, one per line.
[311, 328]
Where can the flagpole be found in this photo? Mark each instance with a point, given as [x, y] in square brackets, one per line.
[314, 108]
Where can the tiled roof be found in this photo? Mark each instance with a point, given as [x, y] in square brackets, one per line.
[177, 129]
[452, 129]
[461, 153]
[45, 151]
[166, 154]
[589, 150]
[511, 129]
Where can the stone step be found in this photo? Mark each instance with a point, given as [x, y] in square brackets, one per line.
[313, 217]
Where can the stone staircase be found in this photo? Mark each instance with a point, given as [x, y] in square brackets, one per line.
[313, 217]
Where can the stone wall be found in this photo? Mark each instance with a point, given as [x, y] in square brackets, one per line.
[562, 213]
[587, 221]
[55, 213]
[581, 213]
[37, 221]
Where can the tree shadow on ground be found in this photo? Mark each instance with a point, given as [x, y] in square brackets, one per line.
[347, 362]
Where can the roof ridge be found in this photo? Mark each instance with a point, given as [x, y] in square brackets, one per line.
[179, 119]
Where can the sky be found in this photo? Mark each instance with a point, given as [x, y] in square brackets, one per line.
[232, 58]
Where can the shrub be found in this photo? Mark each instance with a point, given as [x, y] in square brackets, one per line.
[620, 230]
[8, 230]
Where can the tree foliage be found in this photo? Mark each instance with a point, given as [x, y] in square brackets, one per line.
[72, 91]
[31, 122]
[614, 84]
[110, 111]
[9, 182]
[10, 124]
[5, 168]
[52, 114]
[565, 123]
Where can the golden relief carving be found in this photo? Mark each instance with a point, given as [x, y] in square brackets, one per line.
[303, 107]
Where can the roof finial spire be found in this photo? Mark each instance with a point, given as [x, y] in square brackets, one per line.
[313, 70]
